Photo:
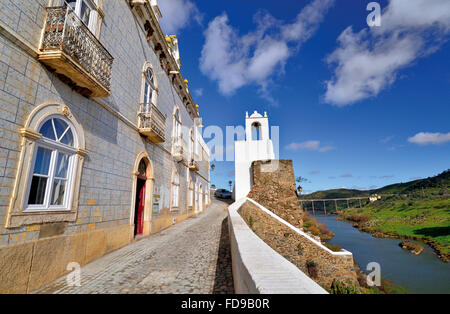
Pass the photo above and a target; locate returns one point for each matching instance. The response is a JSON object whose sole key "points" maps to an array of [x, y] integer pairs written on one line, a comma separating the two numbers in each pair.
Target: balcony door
{"points": [[85, 9], [149, 88]]}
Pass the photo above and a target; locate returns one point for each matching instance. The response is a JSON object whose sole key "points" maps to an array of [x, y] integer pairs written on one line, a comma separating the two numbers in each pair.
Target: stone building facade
{"points": [[100, 139]]}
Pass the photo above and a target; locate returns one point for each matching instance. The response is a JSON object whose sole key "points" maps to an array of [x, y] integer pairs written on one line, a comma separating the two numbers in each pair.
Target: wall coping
{"points": [[343, 252], [257, 268]]}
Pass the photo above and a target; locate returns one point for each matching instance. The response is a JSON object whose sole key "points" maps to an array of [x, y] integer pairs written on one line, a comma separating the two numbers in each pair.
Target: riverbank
{"points": [[427, 223], [401, 271]]}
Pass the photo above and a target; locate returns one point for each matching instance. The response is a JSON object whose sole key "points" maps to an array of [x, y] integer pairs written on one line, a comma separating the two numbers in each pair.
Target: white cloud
{"points": [[177, 14], [368, 61], [198, 92], [424, 138], [235, 61], [309, 145]]}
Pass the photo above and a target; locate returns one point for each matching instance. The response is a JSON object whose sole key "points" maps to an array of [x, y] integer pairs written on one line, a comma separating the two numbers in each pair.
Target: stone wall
{"points": [[274, 187], [298, 248]]}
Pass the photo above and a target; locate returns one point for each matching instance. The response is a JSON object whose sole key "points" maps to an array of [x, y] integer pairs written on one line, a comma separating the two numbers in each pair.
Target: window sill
{"points": [[45, 210], [41, 217]]}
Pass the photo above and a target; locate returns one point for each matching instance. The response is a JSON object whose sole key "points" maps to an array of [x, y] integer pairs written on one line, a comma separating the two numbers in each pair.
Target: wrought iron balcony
{"points": [[69, 47], [152, 123]]}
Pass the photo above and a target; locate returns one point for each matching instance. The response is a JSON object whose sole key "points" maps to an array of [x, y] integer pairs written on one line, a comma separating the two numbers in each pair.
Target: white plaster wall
{"points": [[247, 152], [257, 268]]}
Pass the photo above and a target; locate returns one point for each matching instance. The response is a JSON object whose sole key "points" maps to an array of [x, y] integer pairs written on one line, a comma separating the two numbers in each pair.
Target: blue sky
{"points": [[357, 107]]}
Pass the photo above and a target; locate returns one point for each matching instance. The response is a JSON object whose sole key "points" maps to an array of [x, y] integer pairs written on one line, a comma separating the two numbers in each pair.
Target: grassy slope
{"points": [[410, 212], [421, 218]]}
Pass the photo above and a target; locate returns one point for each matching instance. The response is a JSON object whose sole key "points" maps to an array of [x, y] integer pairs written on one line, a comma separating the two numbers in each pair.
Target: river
{"points": [[423, 273]]}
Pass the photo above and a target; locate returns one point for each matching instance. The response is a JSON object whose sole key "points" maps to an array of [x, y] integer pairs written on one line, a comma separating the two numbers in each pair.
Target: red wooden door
{"points": [[141, 206]]}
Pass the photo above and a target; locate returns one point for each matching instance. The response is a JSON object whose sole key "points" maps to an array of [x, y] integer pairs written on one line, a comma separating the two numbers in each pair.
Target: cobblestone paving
{"points": [[191, 257]]}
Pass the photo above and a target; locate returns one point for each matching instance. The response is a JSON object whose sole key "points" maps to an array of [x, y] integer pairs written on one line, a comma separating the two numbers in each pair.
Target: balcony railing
{"points": [[152, 123], [193, 165], [180, 151], [69, 47]]}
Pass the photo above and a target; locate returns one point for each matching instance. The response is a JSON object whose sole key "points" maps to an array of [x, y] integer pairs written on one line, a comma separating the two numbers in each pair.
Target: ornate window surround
{"points": [[17, 215]]}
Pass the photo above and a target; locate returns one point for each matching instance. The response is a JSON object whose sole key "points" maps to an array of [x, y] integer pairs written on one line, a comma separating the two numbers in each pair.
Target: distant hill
{"points": [[440, 181]]}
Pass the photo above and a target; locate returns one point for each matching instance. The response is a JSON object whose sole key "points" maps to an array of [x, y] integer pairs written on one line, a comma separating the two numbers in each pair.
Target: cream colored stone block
{"points": [[117, 238], [15, 262], [49, 261], [96, 245]]}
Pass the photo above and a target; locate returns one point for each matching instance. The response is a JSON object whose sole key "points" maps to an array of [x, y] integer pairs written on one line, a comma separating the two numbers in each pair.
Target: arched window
{"points": [[150, 90], [256, 131], [175, 189], [47, 185], [50, 183]]}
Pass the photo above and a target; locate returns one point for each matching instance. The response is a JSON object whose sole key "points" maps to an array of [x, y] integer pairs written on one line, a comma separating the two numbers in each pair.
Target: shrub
{"points": [[313, 270], [251, 221], [311, 264], [337, 287], [359, 218], [314, 230], [334, 247], [323, 229]]}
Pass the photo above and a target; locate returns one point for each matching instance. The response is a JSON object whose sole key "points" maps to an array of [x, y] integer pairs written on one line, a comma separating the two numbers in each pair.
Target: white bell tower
{"points": [[257, 146]]}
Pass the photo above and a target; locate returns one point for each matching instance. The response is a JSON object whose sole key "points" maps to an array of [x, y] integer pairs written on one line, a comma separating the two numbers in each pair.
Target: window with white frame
{"points": [[86, 11], [50, 182], [191, 193], [175, 190]]}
